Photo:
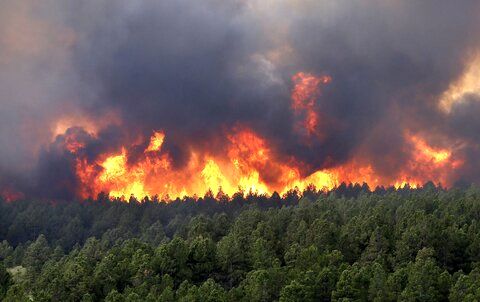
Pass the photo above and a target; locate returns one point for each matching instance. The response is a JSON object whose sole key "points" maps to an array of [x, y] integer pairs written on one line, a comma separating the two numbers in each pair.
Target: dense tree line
{"points": [[347, 245]]}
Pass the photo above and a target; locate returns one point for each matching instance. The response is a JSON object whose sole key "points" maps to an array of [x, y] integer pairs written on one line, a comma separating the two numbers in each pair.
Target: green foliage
{"points": [[425, 279], [263, 285], [37, 254], [467, 287], [5, 280], [347, 245]]}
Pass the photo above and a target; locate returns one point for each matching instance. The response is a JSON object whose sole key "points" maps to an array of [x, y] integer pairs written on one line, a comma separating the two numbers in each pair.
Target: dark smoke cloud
{"points": [[389, 60], [198, 68]]}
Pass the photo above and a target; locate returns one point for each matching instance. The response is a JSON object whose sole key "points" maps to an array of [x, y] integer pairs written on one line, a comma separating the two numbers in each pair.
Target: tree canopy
{"points": [[346, 245]]}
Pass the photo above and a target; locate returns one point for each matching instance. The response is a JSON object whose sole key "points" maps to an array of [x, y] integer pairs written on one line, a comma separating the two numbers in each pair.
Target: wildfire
{"points": [[246, 162], [243, 168], [9, 194], [72, 144], [247, 165], [428, 153], [156, 142], [305, 93], [427, 162]]}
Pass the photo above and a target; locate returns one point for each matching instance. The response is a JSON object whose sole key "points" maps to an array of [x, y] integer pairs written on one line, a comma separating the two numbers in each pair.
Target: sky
{"points": [[109, 73]]}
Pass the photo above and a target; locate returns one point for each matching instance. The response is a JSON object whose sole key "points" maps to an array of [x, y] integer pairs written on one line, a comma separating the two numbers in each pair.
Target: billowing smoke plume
{"points": [[99, 76]]}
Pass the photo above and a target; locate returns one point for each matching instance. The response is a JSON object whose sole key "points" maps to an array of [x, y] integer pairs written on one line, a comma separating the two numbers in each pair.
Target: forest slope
{"points": [[351, 244]]}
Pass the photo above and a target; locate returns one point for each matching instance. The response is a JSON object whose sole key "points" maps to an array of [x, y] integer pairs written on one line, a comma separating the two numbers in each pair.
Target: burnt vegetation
{"points": [[350, 244]]}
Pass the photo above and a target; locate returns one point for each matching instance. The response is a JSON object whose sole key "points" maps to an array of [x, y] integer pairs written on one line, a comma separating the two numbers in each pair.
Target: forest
{"points": [[349, 244]]}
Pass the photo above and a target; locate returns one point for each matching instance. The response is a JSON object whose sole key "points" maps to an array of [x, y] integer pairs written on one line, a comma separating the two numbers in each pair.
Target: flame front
{"points": [[248, 165], [248, 162]]}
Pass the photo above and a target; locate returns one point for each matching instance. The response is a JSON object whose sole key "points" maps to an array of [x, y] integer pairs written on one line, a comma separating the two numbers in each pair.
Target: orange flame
{"points": [[156, 141], [248, 162], [248, 165], [305, 93], [428, 153]]}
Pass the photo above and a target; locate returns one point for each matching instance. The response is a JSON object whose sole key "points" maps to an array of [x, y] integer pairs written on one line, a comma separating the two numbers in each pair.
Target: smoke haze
{"points": [[107, 74]]}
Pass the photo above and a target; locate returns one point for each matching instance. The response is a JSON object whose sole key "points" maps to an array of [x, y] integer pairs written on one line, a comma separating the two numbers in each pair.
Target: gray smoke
{"points": [[196, 68]]}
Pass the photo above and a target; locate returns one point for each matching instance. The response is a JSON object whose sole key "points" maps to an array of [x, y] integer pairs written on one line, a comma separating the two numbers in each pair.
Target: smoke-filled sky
{"points": [[110, 73]]}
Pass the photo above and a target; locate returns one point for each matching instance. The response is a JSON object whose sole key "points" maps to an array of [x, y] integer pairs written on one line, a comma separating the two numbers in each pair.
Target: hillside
{"points": [[350, 244]]}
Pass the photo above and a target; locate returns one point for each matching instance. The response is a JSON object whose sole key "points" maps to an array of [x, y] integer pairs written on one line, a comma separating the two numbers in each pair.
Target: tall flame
{"points": [[304, 97], [248, 162], [247, 166], [156, 141]]}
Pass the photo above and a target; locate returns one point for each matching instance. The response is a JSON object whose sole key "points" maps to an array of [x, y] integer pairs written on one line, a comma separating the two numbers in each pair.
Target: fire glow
{"points": [[249, 162], [184, 97], [305, 93], [243, 169]]}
